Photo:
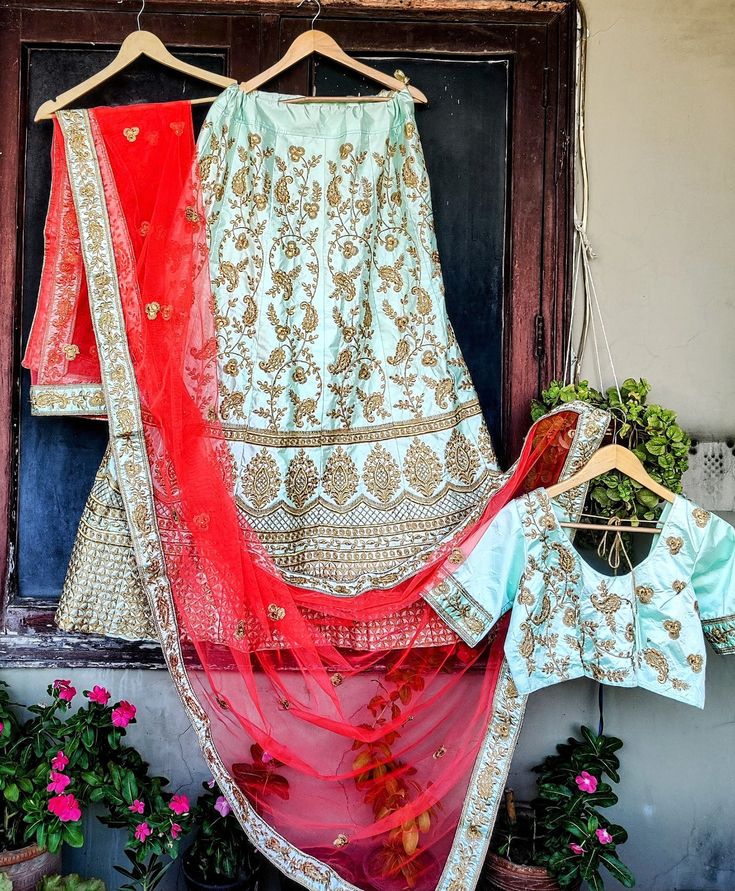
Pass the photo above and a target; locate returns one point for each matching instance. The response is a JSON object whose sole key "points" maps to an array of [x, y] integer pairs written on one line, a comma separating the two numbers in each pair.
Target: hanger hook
{"points": [[318, 9], [140, 13]]}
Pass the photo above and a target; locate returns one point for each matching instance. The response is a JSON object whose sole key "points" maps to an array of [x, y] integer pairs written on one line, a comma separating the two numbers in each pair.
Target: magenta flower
{"points": [[64, 690], [123, 714], [66, 808], [586, 782], [603, 836], [576, 849], [142, 831], [179, 804], [59, 782], [137, 807], [59, 761], [266, 757], [176, 831], [99, 695], [2, 726], [222, 805]]}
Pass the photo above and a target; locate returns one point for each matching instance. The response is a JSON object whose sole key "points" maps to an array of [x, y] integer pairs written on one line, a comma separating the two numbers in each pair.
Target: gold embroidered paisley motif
{"points": [[261, 480], [302, 479], [381, 474], [340, 478], [462, 458], [422, 468]]}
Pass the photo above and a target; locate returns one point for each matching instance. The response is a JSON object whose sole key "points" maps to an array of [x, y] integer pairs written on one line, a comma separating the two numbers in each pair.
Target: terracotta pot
{"points": [[25, 866], [500, 874]]}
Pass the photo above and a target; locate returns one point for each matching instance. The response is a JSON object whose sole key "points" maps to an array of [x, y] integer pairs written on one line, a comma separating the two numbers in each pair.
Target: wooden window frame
{"points": [[538, 35]]}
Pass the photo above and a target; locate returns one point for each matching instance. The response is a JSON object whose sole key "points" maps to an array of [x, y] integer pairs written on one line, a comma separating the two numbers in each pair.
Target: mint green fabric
{"points": [[644, 627]]}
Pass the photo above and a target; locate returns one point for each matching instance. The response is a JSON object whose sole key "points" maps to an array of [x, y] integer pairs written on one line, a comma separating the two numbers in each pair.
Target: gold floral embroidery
{"points": [[341, 841], [240, 630], [701, 517], [658, 662], [462, 458], [222, 703], [336, 679], [422, 468], [177, 127], [340, 478], [131, 133], [695, 662], [674, 543], [673, 628], [440, 752], [644, 593], [301, 479], [275, 612], [381, 474], [71, 351], [152, 309], [261, 480], [191, 215], [456, 557], [678, 586]]}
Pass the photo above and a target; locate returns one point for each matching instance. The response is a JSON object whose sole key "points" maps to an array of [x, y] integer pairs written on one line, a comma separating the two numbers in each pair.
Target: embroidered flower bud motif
{"points": [[673, 628], [177, 127], [276, 613], [695, 662], [296, 153], [456, 557], [167, 311], [222, 703], [674, 544], [253, 140], [285, 704], [191, 215], [291, 250], [144, 228], [409, 129], [701, 517], [131, 133], [201, 521], [341, 841], [336, 679], [678, 586], [644, 593], [440, 753], [345, 150], [152, 309], [71, 351], [240, 630]]}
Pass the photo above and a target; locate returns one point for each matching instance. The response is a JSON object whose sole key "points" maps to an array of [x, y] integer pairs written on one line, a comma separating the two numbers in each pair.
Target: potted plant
{"points": [[56, 763], [649, 430], [220, 856], [72, 882], [562, 839]]}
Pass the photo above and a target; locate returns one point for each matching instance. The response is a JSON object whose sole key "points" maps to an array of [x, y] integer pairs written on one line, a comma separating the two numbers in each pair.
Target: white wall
{"points": [[661, 130]]}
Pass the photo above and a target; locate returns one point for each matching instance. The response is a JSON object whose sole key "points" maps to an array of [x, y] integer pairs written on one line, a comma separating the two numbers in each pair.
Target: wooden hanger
{"points": [[136, 44], [318, 42], [612, 457]]}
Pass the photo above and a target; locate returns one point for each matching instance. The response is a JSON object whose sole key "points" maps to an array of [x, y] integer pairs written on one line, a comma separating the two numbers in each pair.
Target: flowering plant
{"points": [[220, 852], [565, 832], [57, 763]]}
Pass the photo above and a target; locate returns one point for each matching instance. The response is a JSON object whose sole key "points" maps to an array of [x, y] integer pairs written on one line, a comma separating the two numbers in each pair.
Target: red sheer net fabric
{"points": [[358, 755]]}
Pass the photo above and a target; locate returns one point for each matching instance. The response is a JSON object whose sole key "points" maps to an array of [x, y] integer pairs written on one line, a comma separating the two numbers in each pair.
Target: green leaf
{"points": [[12, 793], [617, 869], [73, 835]]}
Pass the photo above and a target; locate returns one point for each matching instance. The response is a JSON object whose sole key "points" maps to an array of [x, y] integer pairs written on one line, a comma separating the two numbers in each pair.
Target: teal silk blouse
{"points": [[643, 628]]}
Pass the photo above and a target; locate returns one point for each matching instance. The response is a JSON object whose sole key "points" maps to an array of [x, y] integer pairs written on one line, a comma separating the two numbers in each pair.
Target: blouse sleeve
{"points": [[483, 586], [713, 580]]}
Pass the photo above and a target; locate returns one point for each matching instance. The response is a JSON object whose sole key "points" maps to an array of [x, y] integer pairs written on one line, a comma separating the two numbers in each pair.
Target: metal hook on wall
{"points": [[318, 9]]}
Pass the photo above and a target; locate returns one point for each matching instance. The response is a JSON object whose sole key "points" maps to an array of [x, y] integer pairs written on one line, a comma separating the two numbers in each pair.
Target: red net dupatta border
{"points": [[471, 839]]}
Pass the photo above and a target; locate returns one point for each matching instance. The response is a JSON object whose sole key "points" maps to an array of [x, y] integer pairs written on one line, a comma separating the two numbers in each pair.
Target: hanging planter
{"points": [[26, 866]]}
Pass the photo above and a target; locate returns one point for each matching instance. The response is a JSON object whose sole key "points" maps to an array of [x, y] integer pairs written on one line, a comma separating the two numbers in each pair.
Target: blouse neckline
{"points": [[584, 565]]}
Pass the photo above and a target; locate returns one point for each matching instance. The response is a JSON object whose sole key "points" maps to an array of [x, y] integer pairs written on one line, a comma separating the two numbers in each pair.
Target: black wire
{"points": [[601, 709]]}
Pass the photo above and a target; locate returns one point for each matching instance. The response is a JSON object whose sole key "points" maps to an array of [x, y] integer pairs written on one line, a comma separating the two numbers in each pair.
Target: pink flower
{"points": [[576, 849], [66, 808], [64, 690], [179, 804], [137, 807], [59, 782], [266, 757], [59, 761], [123, 714], [142, 831], [603, 836], [222, 805], [176, 831], [586, 782], [2, 726], [99, 694]]}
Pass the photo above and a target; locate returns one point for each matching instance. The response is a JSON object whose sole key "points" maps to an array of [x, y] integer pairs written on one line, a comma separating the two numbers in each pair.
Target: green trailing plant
{"points": [[58, 762], [565, 831], [72, 882], [649, 430], [220, 852], [5, 882]]}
